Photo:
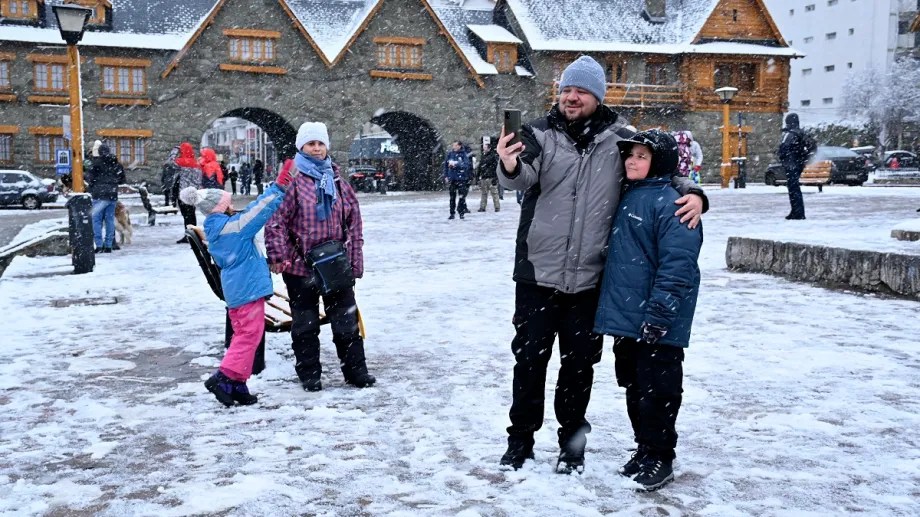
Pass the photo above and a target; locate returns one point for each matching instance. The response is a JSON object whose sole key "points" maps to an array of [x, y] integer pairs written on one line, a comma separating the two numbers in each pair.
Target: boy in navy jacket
{"points": [[647, 301], [244, 278]]}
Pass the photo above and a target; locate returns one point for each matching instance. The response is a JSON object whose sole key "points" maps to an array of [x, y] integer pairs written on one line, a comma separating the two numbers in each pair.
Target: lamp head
{"points": [[71, 21], [726, 93]]}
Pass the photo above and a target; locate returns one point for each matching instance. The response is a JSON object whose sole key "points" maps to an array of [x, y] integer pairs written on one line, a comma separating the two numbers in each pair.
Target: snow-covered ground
{"points": [[798, 399]]}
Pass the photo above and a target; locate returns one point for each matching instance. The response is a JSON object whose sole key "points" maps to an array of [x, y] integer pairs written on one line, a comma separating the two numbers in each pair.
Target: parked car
{"points": [[868, 153], [846, 166], [26, 189], [904, 160], [364, 177]]}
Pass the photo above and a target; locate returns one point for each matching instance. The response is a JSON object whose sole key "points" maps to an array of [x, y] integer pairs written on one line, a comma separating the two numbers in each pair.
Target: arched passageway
{"points": [[420, 145], [279, 131]]}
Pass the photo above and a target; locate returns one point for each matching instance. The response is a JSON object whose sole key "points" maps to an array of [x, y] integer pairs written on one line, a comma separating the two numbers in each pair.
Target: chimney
{"points": [[655, 11]]}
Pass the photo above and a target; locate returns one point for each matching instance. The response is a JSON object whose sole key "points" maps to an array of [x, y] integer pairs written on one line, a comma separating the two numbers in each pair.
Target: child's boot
{"points": [[222, 387], [241, 394]]}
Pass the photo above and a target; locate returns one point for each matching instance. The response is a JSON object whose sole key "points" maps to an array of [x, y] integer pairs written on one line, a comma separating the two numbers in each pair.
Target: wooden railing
{"points": [[635, 95]]}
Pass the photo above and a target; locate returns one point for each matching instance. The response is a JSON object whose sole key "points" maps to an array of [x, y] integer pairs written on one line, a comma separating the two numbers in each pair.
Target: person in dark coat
{"points": [[169, 175], [487, 178], [794, 150], [647, 300], [103, 179], [233, 174], [245, 179], [258, 173], [458, 171]]}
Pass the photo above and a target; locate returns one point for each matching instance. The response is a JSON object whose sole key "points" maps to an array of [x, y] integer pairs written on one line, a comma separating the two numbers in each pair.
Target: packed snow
{"points": [[798, 399]]}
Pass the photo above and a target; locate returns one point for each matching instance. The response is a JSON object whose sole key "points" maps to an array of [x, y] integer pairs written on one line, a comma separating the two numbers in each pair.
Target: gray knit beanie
{"points": [[587, 74]]}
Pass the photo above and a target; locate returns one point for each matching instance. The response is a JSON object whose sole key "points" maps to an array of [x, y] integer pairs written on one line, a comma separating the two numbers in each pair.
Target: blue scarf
{"points": [[322, 174]]}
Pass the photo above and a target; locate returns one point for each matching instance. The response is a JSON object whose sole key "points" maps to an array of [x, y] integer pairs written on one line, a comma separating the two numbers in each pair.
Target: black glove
{"points": [[652, 333]]}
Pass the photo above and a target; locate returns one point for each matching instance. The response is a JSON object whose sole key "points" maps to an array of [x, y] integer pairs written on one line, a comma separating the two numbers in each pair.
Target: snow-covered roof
{"points": [[493, 34], [332, 23], [456, 18]]}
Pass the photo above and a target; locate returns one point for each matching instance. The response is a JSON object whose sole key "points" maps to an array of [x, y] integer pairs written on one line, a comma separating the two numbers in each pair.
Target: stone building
{"points": [[158, 72]]}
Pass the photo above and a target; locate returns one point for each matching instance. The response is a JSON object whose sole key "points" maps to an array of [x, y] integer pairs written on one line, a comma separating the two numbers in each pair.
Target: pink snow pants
{"points": [[248, 322]]}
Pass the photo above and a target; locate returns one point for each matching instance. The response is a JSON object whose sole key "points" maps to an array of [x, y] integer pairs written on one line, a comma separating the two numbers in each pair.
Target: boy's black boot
{"points": [[309, 375], [222, 387], [654, 472], [241, 394], [572, 449], [632, 467], [354, 364], [520, 449]]}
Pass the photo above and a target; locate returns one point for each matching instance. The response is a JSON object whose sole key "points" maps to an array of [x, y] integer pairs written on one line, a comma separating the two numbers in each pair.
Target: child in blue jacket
{"points": [[244, 278], [647, 301]]}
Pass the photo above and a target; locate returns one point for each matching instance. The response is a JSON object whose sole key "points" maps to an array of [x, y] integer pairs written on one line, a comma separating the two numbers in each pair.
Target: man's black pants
{"points": [[653, 377], [341, 309], [797, 204], [463, 188], [540, 314]]}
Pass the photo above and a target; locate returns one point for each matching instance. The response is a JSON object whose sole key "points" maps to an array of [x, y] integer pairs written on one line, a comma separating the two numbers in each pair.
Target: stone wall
{"points": [[872, 271]]}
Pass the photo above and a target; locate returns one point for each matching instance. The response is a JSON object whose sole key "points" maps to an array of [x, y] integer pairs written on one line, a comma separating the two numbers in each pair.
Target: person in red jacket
{"points": [[211, 174]]}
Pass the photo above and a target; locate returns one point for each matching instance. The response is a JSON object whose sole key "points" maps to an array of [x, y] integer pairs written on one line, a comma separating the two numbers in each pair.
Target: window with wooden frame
{"points": [[739, 75], [49, 72], [19, 9], [123, 76], [6, 143], [128, 145], [97, 6], [5, 83], [402, 53], [657, 72], [47, 140], [252, 45], [503, 56], [617, 71]]}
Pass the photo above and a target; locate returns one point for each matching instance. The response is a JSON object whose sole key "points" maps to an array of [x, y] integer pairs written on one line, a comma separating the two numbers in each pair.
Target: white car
{"points": [[24, 188]]}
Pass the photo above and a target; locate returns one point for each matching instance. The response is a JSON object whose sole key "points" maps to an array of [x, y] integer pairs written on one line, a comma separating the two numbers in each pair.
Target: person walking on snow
{"points": [[559, 256], [189, 176], [458, 171], [696, 152], [102, 179], [212, 176], [487, 178], [647, 301], [320, 208], [245, 179], [258, 173], [244, 278]]}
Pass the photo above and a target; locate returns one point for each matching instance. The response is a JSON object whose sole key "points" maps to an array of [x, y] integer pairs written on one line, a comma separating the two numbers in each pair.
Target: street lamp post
{"points": [[71, 22], [726, 94]]}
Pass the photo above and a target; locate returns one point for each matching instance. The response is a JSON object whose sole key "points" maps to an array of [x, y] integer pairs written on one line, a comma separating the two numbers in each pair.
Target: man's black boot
{"points": [[654, 473], [520, 449], [572, 449], [632, 467]]}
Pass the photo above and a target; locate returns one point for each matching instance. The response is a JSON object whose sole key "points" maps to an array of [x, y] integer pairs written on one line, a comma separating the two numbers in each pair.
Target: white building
{"points": [[839, 37], [239, 141]]}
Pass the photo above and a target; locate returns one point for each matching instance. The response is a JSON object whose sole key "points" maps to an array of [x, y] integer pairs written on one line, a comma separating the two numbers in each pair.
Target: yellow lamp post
{"points": [[726, 94], [71, 22]]}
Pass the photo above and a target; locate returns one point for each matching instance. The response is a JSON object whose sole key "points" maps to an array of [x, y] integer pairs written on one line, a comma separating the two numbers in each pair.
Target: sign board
{"points": [[62, 162], [389, 146]]}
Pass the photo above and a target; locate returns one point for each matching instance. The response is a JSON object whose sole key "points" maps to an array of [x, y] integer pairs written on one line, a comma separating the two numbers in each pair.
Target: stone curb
{"points": [[890, 273]]}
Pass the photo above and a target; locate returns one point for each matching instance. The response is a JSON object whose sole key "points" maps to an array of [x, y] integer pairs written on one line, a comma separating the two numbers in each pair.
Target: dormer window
{"points": [[503, 56], [252, 45], [19, 9], [100, 9]]}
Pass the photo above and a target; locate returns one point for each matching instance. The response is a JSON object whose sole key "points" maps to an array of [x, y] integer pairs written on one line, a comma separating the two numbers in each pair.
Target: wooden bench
{"points": [[817, 174], [152, 211]]}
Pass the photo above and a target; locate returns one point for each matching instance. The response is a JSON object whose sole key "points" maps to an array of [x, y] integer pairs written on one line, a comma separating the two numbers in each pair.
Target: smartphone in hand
{"points": [[513, 125]]}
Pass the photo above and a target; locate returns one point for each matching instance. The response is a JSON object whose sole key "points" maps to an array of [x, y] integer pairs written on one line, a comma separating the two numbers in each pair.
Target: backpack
{"points": [[809, 143]]}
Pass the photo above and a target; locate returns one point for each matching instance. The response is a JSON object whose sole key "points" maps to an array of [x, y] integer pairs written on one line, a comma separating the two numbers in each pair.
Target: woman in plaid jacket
{"points": [[319, 207]]}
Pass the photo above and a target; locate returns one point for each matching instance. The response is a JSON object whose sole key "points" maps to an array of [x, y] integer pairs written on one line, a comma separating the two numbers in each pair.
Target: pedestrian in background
{"points": [[458, 171], [487, 178], [233, 176], [258, 173], [169, 175], [189, 176], [647, 301], [103, 178], [794, 149], [211, 174], [246, 179]]}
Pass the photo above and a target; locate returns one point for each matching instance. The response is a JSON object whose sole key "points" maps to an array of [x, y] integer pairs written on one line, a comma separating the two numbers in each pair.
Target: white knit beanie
{"points": [[208, 200], [310, 131]]}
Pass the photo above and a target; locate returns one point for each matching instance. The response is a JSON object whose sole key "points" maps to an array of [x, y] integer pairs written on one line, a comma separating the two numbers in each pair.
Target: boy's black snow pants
{"points": [[341, 309], [653, 378], [540, 314]]}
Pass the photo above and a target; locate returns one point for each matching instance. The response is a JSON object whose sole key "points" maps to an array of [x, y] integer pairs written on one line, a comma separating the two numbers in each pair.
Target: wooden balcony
{"points": [[635, 95]]}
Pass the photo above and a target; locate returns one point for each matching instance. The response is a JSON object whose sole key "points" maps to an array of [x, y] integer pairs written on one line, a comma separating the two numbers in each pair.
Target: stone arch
{"points": [[420, 144], [278, 129]]}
